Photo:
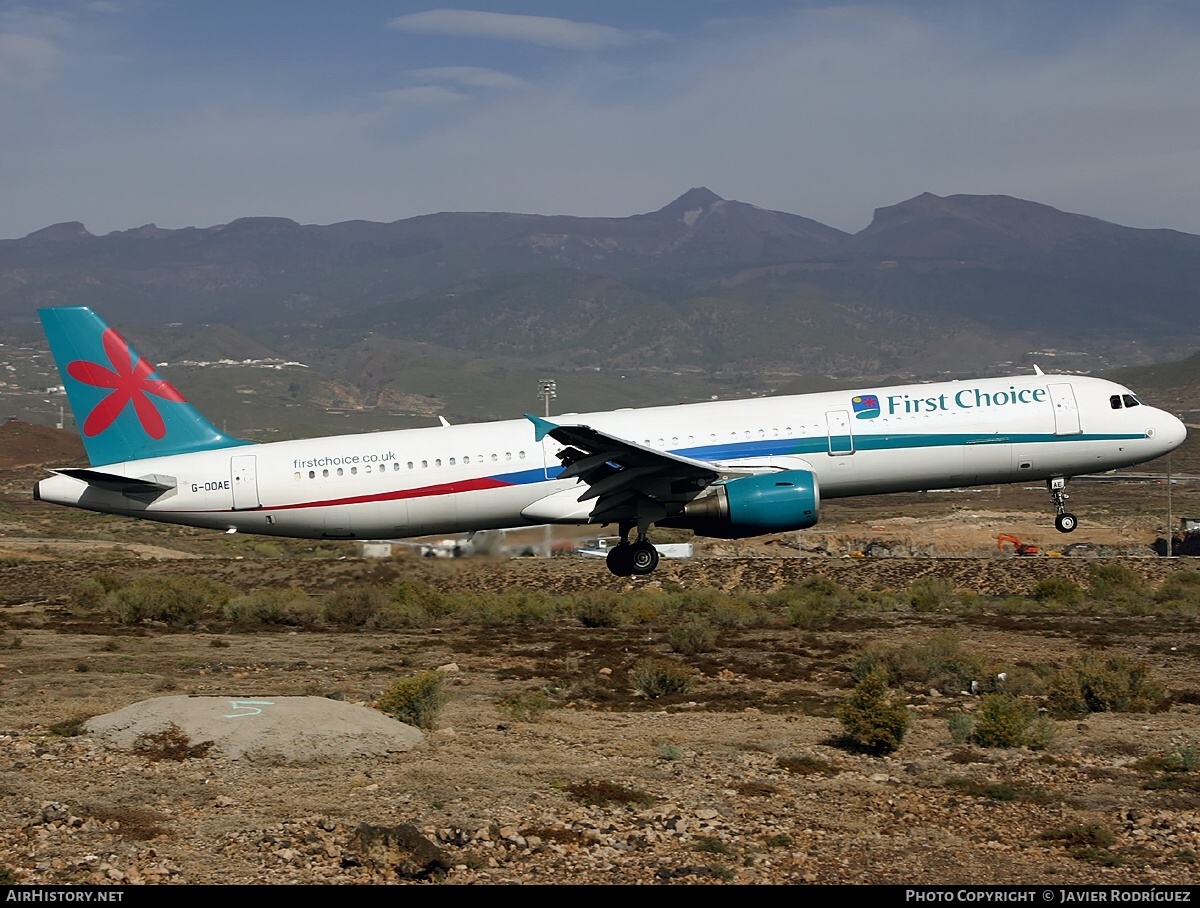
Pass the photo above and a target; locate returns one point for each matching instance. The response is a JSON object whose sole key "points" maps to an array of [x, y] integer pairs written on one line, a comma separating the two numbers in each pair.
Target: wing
{"points": [[624, 477]]}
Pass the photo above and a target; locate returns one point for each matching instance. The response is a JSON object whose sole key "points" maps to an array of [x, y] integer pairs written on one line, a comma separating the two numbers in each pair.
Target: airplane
{"points": [[726, 469]]}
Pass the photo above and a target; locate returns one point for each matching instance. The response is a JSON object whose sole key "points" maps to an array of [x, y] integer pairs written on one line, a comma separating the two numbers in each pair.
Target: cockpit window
{"points": [[1130, 400], [1115, 401]]}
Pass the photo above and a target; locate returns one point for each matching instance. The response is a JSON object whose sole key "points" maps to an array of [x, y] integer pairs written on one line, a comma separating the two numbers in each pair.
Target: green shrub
{"points": [[1003, 720], [941, 663], [735, 611], [509, 607], [1027, 680], [178, 601], [1180, 592], [872, 718], [353, 606], [931, 593], [91, 593], [170, 743], [1061, 591], [806, 765], [1089, 842], [1177, 760], [601, 608], [420, 600], [813, 604], [961, 725], [69, 728], [1096, 683], [289, 607], [1001, 791], [604, 794], [669, 752], [392, 615], [416, 700], [1116, 584], [526, 706], [659, 677], [812, 614], [1186, 758], [645, 606], [692, 636]]}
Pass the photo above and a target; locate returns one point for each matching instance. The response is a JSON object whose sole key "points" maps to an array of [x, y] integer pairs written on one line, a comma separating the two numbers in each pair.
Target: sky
{"points": [[120, 113]]}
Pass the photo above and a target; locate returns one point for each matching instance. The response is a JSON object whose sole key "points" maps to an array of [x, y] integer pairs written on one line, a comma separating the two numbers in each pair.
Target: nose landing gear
{"points": [[1064, 522]]}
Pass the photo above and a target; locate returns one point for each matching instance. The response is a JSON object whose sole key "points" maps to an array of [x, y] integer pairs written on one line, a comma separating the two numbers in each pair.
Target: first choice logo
{"points": [[966, 399]]}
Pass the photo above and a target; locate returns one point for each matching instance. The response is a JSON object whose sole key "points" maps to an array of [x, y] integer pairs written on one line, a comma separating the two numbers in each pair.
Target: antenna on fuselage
{"points": [[1038, 369]]}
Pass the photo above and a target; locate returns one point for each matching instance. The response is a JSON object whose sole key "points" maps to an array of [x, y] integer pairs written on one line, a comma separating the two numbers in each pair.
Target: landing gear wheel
{"points": [[644, 557], [620, 560], [1057, 486], [1065, 523]]}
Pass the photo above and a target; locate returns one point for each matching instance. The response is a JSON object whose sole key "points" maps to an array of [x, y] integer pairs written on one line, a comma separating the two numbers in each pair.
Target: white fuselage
{"points": [[472, 477]]}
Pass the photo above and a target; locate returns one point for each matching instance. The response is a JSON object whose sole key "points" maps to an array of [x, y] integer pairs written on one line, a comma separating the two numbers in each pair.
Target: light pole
{"points": [[1170, 534], [547, 391]]}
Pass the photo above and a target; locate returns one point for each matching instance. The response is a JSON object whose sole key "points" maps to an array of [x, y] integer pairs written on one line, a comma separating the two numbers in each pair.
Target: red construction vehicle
{"points": [[1019, 547]]}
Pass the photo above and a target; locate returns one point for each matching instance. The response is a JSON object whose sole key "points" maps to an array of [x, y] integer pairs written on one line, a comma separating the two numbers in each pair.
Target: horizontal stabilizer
{"points": [[115, 483]]}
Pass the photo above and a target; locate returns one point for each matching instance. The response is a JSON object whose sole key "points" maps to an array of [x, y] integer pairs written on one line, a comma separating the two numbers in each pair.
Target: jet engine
{"points": [[752, 505]]}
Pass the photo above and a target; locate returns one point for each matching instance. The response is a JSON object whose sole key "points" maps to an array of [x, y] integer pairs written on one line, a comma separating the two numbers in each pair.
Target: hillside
{"points": [[963, 284]]}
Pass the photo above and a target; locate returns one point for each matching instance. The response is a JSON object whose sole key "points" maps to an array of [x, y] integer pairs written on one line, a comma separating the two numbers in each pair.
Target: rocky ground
{"points": [[745, 780]]}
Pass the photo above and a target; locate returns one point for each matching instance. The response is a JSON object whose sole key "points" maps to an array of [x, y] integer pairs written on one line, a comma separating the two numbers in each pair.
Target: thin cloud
{"points": [[544, 31], [423, 94], [26, 62], [474, 76]]}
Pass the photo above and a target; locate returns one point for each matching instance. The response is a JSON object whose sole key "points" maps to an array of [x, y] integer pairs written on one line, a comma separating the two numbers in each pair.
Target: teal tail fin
{"points": [[124, 409]]}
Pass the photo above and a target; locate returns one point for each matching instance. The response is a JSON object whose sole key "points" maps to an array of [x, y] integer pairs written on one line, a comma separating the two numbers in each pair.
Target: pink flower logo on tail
{"points": [[129, 381]]}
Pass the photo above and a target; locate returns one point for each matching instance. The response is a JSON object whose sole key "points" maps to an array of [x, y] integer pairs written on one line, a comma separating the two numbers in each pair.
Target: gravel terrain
{"points": [[744, 780]]}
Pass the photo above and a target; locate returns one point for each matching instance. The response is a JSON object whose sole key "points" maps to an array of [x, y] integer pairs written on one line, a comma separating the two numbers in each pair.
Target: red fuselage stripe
{"points": [[445, 488]]}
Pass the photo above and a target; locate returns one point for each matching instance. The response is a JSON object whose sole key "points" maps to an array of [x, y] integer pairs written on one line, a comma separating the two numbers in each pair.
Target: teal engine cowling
{"points": [[753, 505]]}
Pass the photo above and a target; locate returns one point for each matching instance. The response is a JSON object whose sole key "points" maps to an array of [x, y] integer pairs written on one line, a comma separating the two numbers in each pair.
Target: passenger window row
{"points": [[411, 465]]}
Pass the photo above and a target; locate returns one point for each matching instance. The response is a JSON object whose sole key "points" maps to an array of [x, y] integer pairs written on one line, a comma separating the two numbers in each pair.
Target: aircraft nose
{"points": [[1171, 432]]}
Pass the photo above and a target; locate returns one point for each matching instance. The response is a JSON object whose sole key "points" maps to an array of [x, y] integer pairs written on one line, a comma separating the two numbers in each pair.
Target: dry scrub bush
{"points": [[1096, 683], [872, 718], [289, 607], [91, 593], [170, 743], [660, 677], [353, 606], [1058, 591], [941, 663], [416, 700], [692, 636], [510, 607], [1118, 586], [178, 601], [812, 605], [931, 593], [1180, 593], [1003, 720], [600, 608], [526, 706]]}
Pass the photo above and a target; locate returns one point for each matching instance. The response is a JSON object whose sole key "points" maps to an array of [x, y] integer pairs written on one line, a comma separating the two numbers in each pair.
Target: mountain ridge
{"points": [[702, 282]]}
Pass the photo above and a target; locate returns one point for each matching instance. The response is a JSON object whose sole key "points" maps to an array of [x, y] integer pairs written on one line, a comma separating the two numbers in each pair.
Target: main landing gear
{"points": [[1064, 522], [627, 557]]}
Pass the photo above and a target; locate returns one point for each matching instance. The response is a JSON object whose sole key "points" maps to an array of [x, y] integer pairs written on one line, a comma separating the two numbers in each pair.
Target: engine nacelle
{"points": [[753, 505]]}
